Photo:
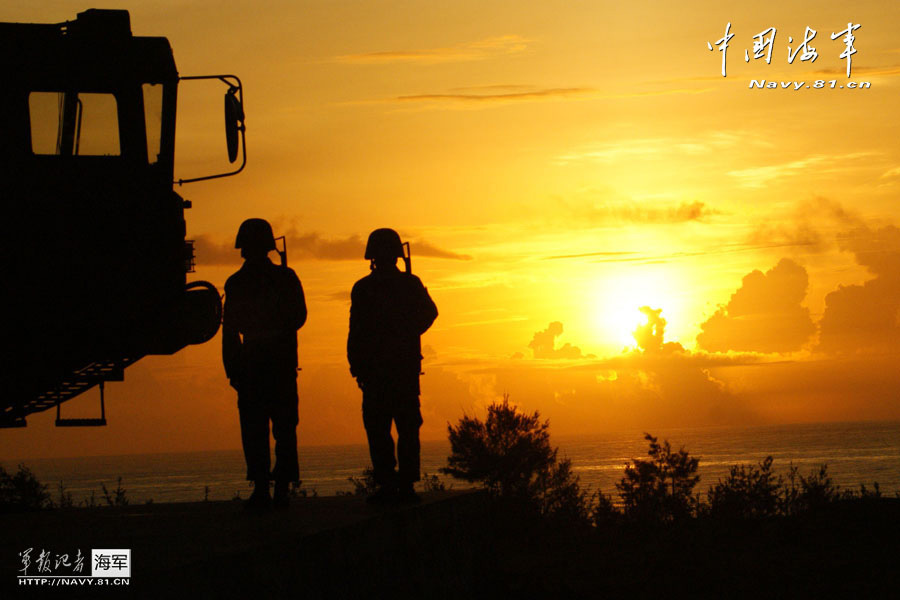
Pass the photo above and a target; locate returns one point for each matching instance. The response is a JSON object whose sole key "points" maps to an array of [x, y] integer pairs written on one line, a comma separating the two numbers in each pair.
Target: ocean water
{"points": [[856, 453]]}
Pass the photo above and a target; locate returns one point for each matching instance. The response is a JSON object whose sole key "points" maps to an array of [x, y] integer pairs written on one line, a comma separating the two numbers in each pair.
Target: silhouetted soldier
{"points": [[389, 310], [264, 308]]}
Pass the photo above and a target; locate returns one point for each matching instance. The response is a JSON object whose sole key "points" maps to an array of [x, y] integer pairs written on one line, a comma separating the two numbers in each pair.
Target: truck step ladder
{"points": [[75, 383]]}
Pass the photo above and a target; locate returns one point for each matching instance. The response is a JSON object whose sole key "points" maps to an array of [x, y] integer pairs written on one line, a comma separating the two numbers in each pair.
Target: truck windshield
{"points": [[74, 124]]}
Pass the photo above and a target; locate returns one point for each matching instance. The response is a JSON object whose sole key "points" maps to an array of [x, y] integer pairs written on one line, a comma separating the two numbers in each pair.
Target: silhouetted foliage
{"points": [[364, 485], [506, 452], [433, 483], [117, 497], [510, 454], [296, 490], [603, 511], [22, 491], [812, 492], [660, 489], [65, 498], [865, 493], [560, 493], [748, 492]]}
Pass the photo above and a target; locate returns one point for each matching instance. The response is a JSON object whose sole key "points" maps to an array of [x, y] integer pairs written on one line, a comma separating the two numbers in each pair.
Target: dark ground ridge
{"points": [[459, 544]]}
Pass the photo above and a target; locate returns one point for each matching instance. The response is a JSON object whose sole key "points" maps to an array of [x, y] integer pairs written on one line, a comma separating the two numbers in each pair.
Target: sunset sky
{"points": [[556, 166]]}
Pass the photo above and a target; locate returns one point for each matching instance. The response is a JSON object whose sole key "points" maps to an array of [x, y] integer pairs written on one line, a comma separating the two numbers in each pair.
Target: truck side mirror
{"points": [[234, 122], [235, 128]]}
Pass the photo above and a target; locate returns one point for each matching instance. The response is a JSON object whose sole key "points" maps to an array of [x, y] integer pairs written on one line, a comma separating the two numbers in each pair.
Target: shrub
{"points": [[560, 494], [865, 493], [117, 497], [812, 492], [296, 490], [748, 492], [660, 489], [506, 453], [362, 486], [22, 491], [510, 455], [603, 512], [433, 483], [65, 497]]}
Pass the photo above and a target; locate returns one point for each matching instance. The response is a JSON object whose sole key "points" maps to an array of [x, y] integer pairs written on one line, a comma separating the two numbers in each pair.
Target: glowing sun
{"points": [[619, 298]]}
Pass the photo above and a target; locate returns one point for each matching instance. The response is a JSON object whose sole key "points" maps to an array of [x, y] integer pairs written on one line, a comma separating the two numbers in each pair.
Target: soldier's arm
{"points": [[354, 337], [231, 340], [298, 302], [426, 311]]}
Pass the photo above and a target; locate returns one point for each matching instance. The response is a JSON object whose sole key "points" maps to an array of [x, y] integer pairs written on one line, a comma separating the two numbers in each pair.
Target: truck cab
{"points": [[94, 255]]}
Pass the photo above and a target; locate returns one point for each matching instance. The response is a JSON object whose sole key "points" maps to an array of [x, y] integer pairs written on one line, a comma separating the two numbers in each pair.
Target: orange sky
{"points": [[550, 163]]}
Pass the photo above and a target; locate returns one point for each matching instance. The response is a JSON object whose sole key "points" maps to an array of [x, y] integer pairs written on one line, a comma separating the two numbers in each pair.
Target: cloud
{"points": [[308, 245], [485, 96], [801, 233], [612, 256], [313, 246], [651, 148], [860, 318], [492, 47], [497, 87], [891, 173], [885, 71], [659, 384], [543, 342], [649, 336], [504, 97], [811, 223], [763, 315], [491, 95], [667, 92], [423, 248], [866, 318], [759, 177], [635, 212], [342, 296], [647, 259], [209, 252]]}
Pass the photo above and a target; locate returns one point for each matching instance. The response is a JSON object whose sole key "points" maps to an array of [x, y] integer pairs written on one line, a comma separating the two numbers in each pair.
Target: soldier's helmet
{"points": [[255, 234], [384, 243]]}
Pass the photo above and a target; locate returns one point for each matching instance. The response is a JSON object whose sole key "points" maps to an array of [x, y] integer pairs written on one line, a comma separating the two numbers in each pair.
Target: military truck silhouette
{"points": [[94, 254]]}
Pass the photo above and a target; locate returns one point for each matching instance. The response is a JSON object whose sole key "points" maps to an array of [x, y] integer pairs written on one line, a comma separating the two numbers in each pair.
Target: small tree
{"points": [[22, 491], [507, 452], [560, 493], [510, 454], [660, 489], [604, 513], [747, 492], [808, 493]]}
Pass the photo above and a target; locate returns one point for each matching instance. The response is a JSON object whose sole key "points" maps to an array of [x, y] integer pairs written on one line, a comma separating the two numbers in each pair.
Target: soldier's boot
{"points": [[385, 494], [407, 494], [259, 499], [282, 497]]}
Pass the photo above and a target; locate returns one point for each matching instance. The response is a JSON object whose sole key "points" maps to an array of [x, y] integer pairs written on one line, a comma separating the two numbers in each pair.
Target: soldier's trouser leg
{"points": [[377, 421], [283, 412], [408, 419], [254, 434]]}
